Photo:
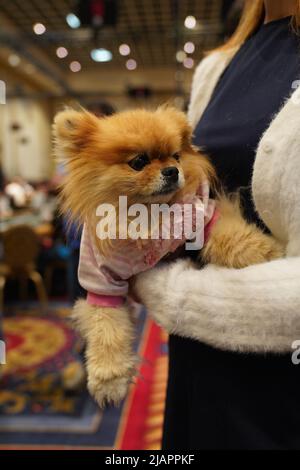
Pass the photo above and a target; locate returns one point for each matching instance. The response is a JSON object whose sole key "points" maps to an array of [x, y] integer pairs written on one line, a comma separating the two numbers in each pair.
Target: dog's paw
{"points": [[109, 386], [109, 392]]}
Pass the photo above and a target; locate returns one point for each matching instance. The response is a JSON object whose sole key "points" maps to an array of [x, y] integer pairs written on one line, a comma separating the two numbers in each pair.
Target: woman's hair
{"points": [[252, 17]]}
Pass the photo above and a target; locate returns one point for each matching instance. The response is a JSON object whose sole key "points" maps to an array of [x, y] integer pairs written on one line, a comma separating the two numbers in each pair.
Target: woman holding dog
{"points": [[233, 381]]}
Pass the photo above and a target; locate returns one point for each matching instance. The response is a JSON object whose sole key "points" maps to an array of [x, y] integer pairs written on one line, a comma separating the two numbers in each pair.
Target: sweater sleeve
{"points": [[255, 309]]}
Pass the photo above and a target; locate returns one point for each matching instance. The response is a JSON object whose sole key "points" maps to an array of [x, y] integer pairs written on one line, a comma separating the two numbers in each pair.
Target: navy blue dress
{"points": [[220, 399]]}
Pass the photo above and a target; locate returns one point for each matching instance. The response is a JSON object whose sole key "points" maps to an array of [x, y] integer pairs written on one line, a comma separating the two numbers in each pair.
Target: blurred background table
{"points": [[42, 228]]}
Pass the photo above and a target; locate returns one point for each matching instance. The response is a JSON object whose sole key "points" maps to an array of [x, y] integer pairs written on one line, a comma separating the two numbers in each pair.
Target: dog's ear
{"points": [[178, 118], [74, 129]]}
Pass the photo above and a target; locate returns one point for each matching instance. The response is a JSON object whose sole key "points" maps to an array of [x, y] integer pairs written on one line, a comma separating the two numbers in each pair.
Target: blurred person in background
{"points": [[20, 192], [234, 386]]}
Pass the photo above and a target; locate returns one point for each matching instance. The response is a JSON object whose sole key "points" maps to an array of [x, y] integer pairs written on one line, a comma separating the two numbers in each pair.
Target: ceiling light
{"points": [[190, 22], [73, 20], [180, 56], [124, 49], [188, 63], [39, 28], [101, 55], [14, 60], [131, 64], [189, 47], [62, 52], [75, 66]]}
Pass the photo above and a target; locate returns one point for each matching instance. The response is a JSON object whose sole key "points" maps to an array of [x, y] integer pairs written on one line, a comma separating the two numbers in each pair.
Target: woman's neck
{"points": [[276, 9]]}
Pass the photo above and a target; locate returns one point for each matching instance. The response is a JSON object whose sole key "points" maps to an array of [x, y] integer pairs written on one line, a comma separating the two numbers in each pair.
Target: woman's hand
{"points": [[155, 289]]}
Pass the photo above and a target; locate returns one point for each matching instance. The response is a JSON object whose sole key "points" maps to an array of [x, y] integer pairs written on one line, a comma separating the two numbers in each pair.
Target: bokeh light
{"points": [[131, 64], [39, 28], [62, 52], [188, 63], [189, 47], [73, 20], [14, 60], [190, 22], [101, 55], [75, 66], [124, 49]]}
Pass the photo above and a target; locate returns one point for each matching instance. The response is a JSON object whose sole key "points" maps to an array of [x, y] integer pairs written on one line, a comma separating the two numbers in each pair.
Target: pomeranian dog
{"points": [[148, 157]]}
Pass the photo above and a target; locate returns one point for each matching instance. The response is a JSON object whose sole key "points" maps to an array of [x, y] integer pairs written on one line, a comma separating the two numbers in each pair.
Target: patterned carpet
{"points": [[43, 398], [144, 410]]}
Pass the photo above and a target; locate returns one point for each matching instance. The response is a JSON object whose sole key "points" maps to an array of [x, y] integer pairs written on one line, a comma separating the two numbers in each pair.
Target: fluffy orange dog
{"points": [[148, 157]]}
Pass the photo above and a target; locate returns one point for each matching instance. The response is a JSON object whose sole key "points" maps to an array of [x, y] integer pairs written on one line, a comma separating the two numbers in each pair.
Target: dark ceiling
{"points": [[153, 29]]}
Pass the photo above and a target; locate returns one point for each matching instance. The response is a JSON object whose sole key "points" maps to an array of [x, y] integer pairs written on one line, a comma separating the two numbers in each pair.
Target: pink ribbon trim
{"points": [[112, 301], [208, 228]]}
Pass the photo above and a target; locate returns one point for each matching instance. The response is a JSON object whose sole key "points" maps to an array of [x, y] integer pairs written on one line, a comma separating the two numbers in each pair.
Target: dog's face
{"points": [[140, 154]]}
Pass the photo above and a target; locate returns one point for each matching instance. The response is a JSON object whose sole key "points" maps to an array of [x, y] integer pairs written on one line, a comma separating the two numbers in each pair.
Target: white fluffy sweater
{"points": [[256, 308]]}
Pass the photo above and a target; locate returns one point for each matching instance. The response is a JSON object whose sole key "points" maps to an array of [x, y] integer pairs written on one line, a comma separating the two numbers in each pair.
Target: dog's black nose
{"points": [[171, 173]]}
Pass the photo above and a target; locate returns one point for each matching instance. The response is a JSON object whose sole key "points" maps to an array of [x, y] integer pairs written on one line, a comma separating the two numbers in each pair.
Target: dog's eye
{"points": [[176, 156], [139, 162]]}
